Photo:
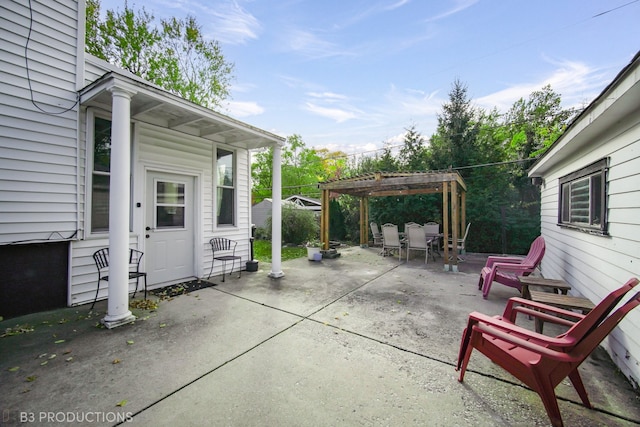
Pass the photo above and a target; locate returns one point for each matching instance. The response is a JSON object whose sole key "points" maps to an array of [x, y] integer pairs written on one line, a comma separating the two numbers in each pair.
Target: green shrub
{"points": [[298, 226]]}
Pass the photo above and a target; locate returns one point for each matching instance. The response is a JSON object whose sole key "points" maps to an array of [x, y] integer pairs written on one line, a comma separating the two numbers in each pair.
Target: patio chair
{"points": [[460, 244], [539, 361], [432, 233], [224, 250], [101, 258], [417, 240], [391, 240], [506, 270], [376, 235]]}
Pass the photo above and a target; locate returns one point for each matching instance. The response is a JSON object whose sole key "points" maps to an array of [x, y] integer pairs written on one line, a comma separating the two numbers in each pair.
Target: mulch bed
{"points": [[181, 288]]}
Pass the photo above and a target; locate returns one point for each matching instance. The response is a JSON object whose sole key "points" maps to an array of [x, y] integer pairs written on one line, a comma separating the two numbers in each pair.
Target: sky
{"points": [[353, 75]]}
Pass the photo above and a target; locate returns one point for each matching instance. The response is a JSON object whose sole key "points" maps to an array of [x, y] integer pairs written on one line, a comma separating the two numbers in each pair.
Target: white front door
{"points": [[169, 223]]}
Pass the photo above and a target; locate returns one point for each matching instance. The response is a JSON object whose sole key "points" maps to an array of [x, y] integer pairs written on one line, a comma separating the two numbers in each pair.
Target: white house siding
{"points": [[169, 150], [596, 265], [38, 150]]}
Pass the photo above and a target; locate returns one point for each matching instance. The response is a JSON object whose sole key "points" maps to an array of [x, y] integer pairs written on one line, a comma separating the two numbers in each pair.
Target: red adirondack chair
{"points": [[506, 270], [539, 361]]}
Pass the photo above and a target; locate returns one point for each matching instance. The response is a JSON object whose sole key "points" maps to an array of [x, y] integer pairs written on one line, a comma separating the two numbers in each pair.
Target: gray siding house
{"points": [[590, 210], [92, 156]]}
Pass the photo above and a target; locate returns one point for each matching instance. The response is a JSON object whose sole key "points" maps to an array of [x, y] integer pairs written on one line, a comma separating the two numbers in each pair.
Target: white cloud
{"points": [[308, 44], [459, 6], [574, 81], [328, 96], [336, 114], [225, 21], [244, 108]]}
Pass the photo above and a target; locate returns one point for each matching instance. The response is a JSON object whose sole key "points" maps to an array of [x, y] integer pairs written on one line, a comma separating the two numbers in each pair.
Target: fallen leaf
{"points": [[162, 325], [14, 369], [116, 361], [44, 363], [68, 359], [53, 356], [59, 341], [121, 403], [31, 378], [130, 342]]}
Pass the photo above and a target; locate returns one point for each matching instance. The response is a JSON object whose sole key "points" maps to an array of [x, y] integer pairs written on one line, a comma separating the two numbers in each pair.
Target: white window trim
{"points": [[88, 185], [234, 187], [599, 167]]}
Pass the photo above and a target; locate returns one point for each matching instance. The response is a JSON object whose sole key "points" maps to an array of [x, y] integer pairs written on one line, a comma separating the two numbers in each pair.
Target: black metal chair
{"points": [[101, 258], [224, 245]]}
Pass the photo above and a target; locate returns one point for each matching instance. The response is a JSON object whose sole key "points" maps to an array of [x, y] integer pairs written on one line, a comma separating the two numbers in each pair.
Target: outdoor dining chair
{"points": [[417, 241], [101, 258], [391, 240], [460, 244], [376, 234], [432, 233], [224, 250]]}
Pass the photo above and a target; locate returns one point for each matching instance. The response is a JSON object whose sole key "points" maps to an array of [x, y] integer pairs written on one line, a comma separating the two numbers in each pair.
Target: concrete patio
{"points": [[357, 340]]}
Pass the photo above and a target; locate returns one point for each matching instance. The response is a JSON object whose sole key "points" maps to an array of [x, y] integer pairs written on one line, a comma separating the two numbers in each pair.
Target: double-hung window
{"points": [[100, 167], [583, 196], [100, 175], [226, 192]]}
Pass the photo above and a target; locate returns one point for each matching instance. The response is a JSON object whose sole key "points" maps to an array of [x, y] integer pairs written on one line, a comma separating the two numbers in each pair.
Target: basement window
{"points": [[583, 196]]}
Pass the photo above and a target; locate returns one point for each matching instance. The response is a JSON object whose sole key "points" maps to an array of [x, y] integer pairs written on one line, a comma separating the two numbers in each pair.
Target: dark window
{"points": [[583, 198], [225, 194], [100, 175]]}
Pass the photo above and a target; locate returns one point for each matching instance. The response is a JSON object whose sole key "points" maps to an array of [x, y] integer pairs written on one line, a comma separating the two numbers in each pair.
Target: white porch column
{"points": [[276, 215], [119, 195]]}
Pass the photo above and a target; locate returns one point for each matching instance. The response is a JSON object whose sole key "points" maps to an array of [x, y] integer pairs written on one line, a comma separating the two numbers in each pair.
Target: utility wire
{"points": [[26, 60]]}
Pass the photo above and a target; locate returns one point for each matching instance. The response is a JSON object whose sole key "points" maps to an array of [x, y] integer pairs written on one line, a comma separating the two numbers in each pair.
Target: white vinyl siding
{"points": [[38, 151], [168, 150], [594, 265]]}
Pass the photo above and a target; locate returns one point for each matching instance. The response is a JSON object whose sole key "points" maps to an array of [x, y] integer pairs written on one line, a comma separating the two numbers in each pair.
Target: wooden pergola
{"points": [[383, 184]]}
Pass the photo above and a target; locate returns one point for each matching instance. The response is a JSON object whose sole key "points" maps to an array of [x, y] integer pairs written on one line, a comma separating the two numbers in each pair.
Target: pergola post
{"points": [[445, 223], [455, 226], [324, 220], [364, 215]]}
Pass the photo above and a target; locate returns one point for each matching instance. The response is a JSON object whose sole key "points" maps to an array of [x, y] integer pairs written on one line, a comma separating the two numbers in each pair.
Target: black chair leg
{"points": [[96, 298]]}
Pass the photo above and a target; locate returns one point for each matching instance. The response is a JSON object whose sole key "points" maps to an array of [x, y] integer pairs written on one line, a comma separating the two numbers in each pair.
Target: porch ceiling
{"points": [[393, 183], [153, 105]]}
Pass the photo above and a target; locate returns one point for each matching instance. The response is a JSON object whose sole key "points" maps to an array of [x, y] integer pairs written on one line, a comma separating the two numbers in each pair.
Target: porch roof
{"points": [[151, 104]]}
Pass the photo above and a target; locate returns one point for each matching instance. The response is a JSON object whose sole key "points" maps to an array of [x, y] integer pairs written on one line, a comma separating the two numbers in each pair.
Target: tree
{"points": [[413, 154], [173, 55], [453, 144], [302, 168]]}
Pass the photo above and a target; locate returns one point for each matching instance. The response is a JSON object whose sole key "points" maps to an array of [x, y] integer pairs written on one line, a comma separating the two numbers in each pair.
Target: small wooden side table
{"points": [[558, 286], [566, 302]]}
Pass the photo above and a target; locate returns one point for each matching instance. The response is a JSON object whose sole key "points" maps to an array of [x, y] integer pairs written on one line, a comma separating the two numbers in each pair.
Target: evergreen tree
{"points": [[453, 145]]}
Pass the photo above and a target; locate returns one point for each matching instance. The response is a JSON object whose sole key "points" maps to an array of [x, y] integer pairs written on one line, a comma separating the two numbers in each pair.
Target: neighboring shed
{"points": [[590, 205], [262, 210]]}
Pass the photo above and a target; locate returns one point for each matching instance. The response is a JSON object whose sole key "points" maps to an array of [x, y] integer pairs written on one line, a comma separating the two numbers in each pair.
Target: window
{"points": [[170, 205], [225, 197], [100, 175], [583, 198]]}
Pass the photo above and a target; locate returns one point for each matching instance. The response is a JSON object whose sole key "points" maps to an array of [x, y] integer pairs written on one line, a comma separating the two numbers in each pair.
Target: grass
{"points": [[262, 251]]}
